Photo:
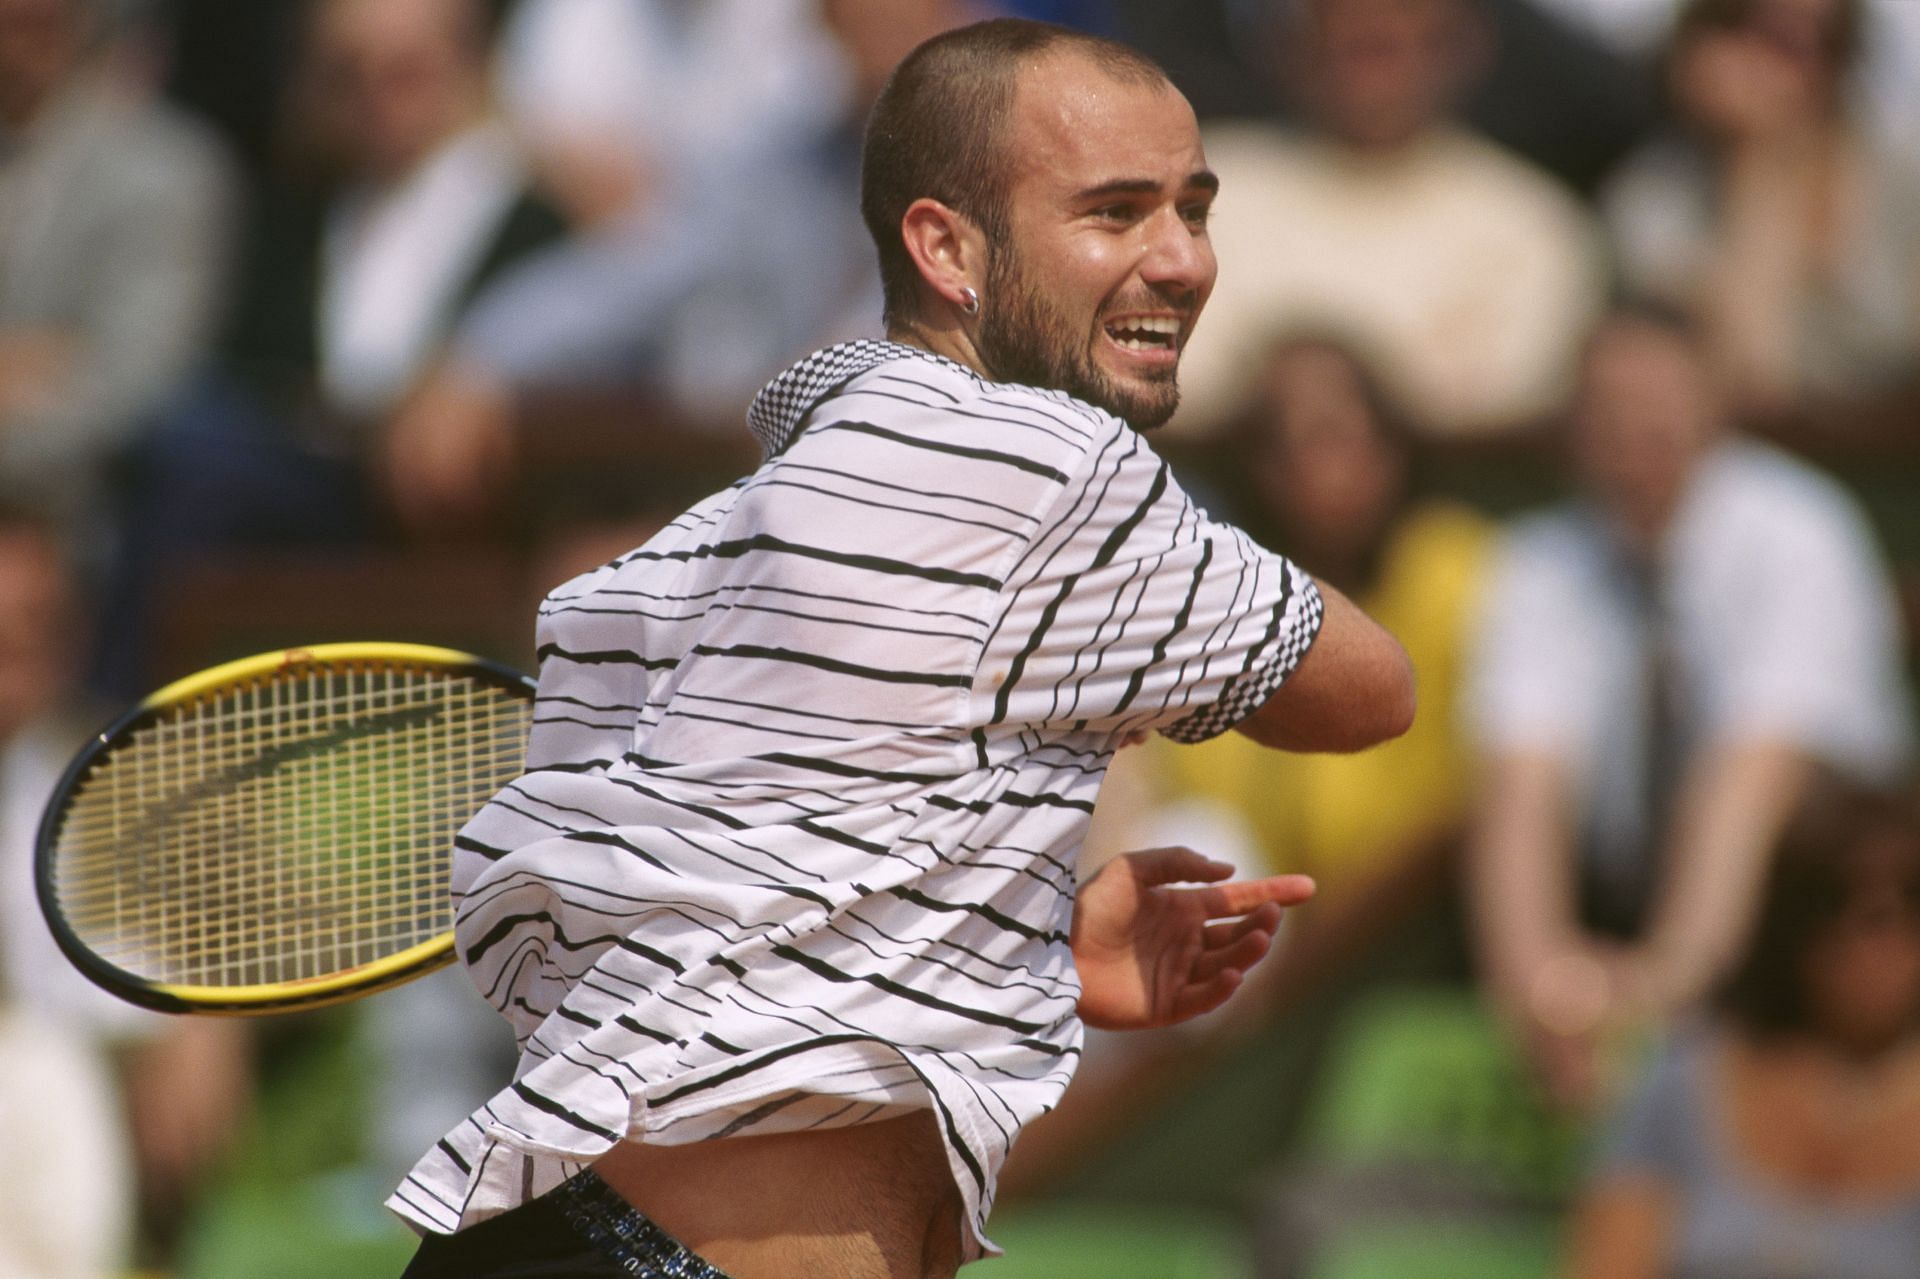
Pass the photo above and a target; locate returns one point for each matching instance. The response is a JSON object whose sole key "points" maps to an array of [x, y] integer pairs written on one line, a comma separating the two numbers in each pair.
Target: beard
{"points": [[1024, 338]]}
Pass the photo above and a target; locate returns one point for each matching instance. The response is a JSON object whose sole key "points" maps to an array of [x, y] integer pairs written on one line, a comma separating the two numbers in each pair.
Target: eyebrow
{"points": [[1205, 179]]}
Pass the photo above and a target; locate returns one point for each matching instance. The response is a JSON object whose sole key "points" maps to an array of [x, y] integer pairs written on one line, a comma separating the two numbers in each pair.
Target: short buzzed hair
{"points": [[936, 130]]}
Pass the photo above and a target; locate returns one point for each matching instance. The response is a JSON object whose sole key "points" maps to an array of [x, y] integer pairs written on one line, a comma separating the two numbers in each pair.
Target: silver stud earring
{"points": [[970, 301]]}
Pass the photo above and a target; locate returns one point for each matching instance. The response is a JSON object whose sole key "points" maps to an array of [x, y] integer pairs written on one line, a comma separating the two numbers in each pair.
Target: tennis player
{"points": [[783, 911]]}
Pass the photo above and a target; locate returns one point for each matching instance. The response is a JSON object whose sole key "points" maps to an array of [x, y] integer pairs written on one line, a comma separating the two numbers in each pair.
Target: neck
{"points": [[942, 335], [1384, 149], [455, 125]]}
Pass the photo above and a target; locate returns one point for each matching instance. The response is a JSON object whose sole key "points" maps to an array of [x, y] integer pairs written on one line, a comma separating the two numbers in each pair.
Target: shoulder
{"points": [[930, 431], [959, 421], [1478, 169], [1755, 491], [157, 147], [1559, 542], [1235, 147], [1758, 473], [134, 170], [1549, 581]]}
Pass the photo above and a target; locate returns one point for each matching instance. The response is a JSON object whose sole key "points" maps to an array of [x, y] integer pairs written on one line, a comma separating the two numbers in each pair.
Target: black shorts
{"points": [[583, 1230]]}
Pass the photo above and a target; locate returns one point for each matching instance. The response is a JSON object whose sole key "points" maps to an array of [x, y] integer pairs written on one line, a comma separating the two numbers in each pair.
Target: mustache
{"points": [[1168, 298]]}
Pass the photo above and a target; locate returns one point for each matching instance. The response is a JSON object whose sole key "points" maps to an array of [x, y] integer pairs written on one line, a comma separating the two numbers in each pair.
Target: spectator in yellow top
{"points": [[1320, 465]]}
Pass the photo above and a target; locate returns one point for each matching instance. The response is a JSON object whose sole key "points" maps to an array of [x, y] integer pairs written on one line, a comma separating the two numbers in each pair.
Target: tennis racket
{"points": [[276, 833]]}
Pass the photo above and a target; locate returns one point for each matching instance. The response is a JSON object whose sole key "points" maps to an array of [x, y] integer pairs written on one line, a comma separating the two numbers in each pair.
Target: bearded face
{"points": [[1026, 337]]}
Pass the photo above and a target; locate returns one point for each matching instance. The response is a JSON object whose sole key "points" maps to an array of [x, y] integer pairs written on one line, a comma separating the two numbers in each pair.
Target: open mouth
{"points": [[1145, 333]]}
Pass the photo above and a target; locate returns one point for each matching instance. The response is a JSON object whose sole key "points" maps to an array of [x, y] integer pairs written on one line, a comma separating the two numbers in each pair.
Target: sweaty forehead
{"points": [[1073, 123]]}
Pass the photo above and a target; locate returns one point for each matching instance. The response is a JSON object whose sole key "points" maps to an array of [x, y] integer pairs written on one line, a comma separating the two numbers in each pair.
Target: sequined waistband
{"points": [[623, 1232]]}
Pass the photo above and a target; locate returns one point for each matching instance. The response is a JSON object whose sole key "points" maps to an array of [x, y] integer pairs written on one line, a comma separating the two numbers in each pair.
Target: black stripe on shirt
{"points": [[548, 1105], [740, 547], [968, 451], [835, 666]]}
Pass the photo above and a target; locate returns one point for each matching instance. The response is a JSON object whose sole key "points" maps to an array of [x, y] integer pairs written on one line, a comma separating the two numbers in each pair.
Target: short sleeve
{"points": [[1133, 610], [1816, 660], [1537, 666]]}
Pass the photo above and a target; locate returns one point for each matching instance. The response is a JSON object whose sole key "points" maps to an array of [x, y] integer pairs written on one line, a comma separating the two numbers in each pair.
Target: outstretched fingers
{"points": [[1157, 866], [1224, 901]]}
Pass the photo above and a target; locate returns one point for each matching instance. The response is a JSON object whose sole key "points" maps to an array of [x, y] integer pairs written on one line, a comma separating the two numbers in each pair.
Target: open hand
{"points": [[1152, 955]]}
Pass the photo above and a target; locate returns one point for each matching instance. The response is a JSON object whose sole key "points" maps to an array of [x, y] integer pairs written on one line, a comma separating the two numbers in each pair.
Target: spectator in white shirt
{"points": [[1465, 274], [112, 1114], [1662, 664], [354, 275]]}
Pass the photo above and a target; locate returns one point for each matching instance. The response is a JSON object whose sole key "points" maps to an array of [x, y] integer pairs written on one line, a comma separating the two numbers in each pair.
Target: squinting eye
{"points": [[1197, 214]]}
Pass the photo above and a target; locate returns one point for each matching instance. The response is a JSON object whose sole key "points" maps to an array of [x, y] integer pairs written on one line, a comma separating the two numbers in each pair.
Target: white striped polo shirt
{"points": [[809, 772]]}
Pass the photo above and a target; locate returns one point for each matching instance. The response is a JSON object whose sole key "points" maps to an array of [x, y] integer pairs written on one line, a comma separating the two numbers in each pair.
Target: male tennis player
{"points": [[783, 911]]}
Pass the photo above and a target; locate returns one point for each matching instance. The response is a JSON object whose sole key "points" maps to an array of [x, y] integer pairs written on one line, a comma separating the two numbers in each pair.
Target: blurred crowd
{"points": [[1577, 340]]}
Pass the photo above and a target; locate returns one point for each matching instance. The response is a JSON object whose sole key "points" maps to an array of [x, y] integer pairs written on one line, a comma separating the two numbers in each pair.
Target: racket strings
{"points": [[288, 829]]}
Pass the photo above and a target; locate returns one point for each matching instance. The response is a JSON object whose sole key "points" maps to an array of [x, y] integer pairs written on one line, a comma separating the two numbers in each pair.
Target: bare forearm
{"points": [[1733, 804], [1521, 857], [1353, 689]]}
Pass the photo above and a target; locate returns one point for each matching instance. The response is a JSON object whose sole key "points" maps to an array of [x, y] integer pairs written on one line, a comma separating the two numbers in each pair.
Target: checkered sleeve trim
{"points": [[1296, 623]]}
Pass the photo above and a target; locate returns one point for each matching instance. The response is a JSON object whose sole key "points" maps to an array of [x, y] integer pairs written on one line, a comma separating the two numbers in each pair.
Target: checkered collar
{"points": [[783, 404]]}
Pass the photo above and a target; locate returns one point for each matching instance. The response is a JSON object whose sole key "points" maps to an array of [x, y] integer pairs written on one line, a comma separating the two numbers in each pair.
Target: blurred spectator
{"points": [[113, 214], [1788, 226], [1550, 90], [1199, 43], [617, 98], [1890, 74], [1781, 1139], [1320, 465], [694, 296], [66, 1210], [140, 1104], [349, 288], [1466, 274], [1662, 662], [1633, 26], [1562, 97], [428, 199]]}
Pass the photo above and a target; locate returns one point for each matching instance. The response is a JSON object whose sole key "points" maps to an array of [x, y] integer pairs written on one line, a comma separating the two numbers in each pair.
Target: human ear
{"points": [[948, 249]]}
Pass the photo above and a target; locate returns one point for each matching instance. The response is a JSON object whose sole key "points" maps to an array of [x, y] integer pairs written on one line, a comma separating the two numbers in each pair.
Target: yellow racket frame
{"points": [[297, 993]]}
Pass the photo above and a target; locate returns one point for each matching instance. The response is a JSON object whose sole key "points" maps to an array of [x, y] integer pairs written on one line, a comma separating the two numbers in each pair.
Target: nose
{"points": [[1178, 256]]}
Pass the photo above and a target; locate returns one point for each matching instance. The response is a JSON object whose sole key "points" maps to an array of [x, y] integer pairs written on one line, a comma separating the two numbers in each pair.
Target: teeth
{"points": [[1145, 333]]}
